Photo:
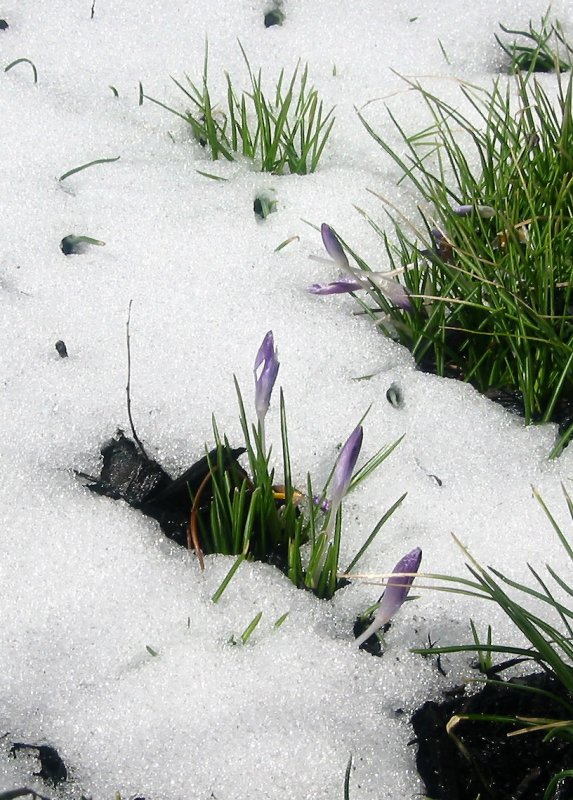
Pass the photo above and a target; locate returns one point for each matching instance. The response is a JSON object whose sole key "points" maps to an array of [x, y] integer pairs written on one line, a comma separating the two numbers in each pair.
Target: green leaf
{"points": [[23, 61], [85, 166]]}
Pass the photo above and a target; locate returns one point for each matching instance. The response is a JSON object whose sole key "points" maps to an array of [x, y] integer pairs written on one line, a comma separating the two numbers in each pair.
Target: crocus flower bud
{"points": [[394, 291], [395, 593], [344, 467], [361, 279], [486, 212], [333, 246], [266, 369], [336, 287]]}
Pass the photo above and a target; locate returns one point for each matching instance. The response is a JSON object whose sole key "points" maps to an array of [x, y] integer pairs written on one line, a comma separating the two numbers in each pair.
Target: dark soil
{"points": [[127, 474], [477, 759], [512, 401], [52, 768]]}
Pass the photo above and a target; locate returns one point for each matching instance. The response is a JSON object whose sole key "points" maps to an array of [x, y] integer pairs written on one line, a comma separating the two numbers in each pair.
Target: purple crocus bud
{"points": [[395, 593], [344, 467], [336, 287], [396, 293], [265, 378], [333, 246], [487, 212]]}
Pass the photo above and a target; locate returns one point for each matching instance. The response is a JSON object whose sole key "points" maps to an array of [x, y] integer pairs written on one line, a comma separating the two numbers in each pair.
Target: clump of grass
{"points": [[286, 132], [539, 49], [550, 643], [487, 268], [253, 517]]}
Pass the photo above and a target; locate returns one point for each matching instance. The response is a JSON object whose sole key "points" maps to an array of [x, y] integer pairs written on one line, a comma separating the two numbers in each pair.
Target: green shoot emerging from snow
{"points": [[253, 517], [75, 170], [538, 50], [283, 133]]}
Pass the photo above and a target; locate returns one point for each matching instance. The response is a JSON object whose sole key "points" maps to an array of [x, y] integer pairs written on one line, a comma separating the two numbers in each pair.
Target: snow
{"points": [[88, 584]]}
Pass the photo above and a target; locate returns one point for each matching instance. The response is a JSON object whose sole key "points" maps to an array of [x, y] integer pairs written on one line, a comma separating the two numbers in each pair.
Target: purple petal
{"points": [[333, 246], [394, 291], [395, 593], [336, 287], [266, 350], [397, 294], [265, 378], [437, 235], [398, 588], [345, 464], [483, 211]]}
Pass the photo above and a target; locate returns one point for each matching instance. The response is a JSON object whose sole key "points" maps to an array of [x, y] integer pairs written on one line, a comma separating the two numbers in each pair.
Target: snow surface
{"points": [[88, 584]]}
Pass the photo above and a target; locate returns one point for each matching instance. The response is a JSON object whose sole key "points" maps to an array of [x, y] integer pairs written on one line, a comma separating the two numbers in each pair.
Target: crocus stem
{"points": [[321, 546], [331, 519], [395, 593], [261, 438], [322, 541], [367, 633]]}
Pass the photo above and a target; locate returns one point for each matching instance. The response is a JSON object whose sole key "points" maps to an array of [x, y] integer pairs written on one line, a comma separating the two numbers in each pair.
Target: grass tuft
{"points": [[549, 636], [252, 517], [488, 264], [283, 133], [538, 49]]}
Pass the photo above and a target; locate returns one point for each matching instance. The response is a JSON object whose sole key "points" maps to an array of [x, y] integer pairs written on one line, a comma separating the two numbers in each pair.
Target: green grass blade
{"points": [[228, 578], [23, 61], [347, 778], [85, 166], [375, 532], [247, 633]]}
